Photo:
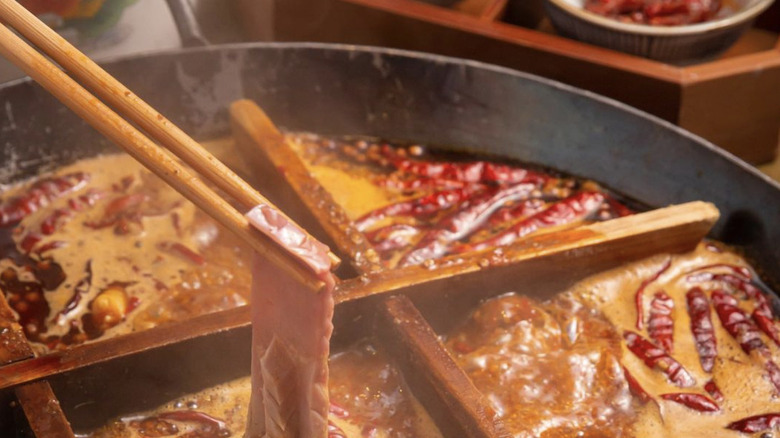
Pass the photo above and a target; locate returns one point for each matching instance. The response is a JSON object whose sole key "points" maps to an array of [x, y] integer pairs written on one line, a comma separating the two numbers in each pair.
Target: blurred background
{"points": [[731, 98], [105, 29]]}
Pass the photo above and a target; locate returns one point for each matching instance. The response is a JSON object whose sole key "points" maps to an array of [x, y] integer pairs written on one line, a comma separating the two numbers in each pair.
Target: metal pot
{"points": [[424, 98]]}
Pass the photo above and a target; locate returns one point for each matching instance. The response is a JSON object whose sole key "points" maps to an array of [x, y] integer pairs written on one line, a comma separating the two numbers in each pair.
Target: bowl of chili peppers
{"points": [[676, 31]]}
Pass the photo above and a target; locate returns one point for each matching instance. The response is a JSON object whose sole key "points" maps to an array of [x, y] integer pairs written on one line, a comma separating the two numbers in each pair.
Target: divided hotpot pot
{"points": [[465, 105]]}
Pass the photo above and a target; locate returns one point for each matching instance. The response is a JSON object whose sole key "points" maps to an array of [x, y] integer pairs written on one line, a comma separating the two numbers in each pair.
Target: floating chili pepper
{"points": [[123, 184], [338, 412], [653, 12], [618, 209], [120, 212], [639, 294], [413, 184], [512, 213], [335, 431], [773, 373], [392, 237], [656, 358], [133, 303], [767, 324], [713, 390], [209, 426], [741, 271], [422, 206], [86, 200], [39, 194], [182, 251], [702, 328], [737, 283], [53, 221], [636, 388], [461, 223], [48, 246], [473, 172], [660, 324], [757, 423], [28, 242], [154, 427], [81, 289], [737, 323], [762, 314], [573, 208], [697, 402]]}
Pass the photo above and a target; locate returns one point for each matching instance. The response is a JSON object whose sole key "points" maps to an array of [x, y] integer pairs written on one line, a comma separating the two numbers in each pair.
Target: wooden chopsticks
{"points": [[110, 124]]}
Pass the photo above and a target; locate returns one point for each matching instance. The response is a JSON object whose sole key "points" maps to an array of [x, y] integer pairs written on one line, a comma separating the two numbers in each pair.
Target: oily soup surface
{"points": [[114, 250]]}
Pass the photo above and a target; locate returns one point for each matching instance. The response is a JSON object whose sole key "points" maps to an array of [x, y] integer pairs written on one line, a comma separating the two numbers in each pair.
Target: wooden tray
{"points": [[87, 385], [733, 101]]}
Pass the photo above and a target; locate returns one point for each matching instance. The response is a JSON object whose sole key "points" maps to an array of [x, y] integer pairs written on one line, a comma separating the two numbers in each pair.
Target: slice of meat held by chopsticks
{"points": [[293, 268], [291, 331]]}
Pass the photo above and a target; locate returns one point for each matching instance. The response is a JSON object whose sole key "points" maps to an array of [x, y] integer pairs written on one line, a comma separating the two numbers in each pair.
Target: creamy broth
{"points": [[377, 404], [561, 368], [128, 253], [124, 252]]}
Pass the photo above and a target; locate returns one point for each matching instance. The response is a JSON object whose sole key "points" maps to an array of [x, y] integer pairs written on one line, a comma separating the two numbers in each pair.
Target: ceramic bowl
{"points": [[676, 44]]}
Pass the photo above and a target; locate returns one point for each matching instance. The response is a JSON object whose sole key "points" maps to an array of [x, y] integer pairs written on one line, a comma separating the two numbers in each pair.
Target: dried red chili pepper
{"points": [[654, 12], [39, 194], [697, 402], [463, 222], [762, 314], [573, 208], [54, 221], [713, 390], [338, 412], [614, 7], [740, 281], [737, 283], [422, 206], [741, 271], [656, 358], [512, 213], [660, 324], [773, 373], [209, 427], [392, 237], [123, 184], [335, 431], [28, 242], [757, 423], [182, 251], [702, 328], [635, 388], [120, 212], [639, 294], [81, 289], [413, 184], [48, 246], [737, 323], [124, 203], [618, 209], [767, 324], [86, 200], [472, 172]]}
